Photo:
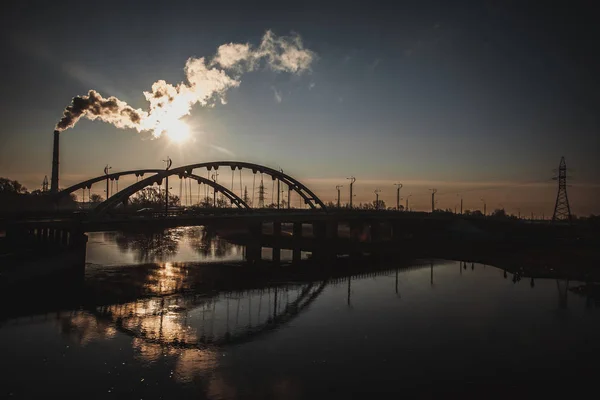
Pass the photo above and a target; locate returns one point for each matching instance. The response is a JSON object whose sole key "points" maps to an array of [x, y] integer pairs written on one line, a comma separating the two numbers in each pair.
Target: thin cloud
{"points": [[277, 95]]}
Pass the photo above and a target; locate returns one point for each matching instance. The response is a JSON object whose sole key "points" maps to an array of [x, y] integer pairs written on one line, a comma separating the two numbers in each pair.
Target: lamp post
{"points": [[169, 162], [106, 169], [352, 180], [398, 187], [338, 187], [433, 192]]}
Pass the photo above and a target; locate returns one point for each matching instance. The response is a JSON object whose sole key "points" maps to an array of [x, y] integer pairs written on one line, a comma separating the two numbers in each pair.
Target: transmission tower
{"points": [[45, 184], [261, 194], [245, 198], [562, 210]]}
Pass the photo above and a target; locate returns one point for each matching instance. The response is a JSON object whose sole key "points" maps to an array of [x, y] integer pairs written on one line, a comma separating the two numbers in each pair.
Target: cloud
{"points": [[280, 53], [374, 64], [277, 94], [206, 83], [222, 150], [311, 86]]}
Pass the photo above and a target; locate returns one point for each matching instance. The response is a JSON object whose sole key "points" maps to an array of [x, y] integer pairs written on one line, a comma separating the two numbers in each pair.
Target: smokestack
{"points": [[54, 181]]}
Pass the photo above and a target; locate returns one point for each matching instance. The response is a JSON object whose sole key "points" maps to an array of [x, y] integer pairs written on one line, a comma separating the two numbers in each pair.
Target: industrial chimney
{"points": [[54, 181]]}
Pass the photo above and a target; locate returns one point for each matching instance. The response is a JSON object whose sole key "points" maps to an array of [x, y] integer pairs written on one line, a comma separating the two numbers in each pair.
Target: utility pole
{"points": [[338, 187], [214, 178], [169, 162], [245, 198], [377, 191], [433, 192], [278, 194], [562, 210], [398, 187], [106, 169], [484, 207], [406, 208], [352, 180], [461, 204], [261, 194]]}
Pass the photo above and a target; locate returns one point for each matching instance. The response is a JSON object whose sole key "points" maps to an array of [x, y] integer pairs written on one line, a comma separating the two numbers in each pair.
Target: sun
{"points": [[177, 131]]}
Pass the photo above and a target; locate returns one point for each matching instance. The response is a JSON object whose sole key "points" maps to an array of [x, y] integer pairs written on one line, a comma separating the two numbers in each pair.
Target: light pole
{"points": [[169, 162], [214, 178], [433, 192], [106, 169], [406, 208], [377, 191], [352, 180], [398, 187], [461, 203], [338, 187], [484, 207]]}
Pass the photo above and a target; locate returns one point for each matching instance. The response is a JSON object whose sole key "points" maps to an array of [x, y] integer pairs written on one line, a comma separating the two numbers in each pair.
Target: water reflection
{"points": [[218, 330], [177, 244]]}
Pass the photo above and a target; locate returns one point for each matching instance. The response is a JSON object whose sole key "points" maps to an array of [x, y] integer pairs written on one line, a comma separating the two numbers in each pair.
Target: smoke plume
{"points": [[206, 83]]}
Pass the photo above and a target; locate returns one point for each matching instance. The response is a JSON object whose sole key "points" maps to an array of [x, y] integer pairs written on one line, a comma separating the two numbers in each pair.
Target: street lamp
{"points": [[398, 187], [338, 187], [106, 169], [433, 192], [461, 204], [169, 163], [352, 180]]}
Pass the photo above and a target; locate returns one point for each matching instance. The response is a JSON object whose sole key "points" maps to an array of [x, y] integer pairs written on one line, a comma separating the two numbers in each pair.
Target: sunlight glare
{"points": [[177, 131]]}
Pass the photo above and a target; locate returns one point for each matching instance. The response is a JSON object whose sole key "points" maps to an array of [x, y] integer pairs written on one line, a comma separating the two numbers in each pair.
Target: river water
{"points": [[179, 315]]}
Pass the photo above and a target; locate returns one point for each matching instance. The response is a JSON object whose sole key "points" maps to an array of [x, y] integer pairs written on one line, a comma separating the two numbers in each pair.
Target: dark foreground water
{"points": [[178, 315]]}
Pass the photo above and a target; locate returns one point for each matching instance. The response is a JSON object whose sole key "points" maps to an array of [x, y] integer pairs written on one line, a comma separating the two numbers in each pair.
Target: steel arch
{"points": [[309, 197], [114, 176], [124, 194]]}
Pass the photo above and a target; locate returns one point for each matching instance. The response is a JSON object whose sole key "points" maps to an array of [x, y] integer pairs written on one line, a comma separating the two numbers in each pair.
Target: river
{"points": [[179, 315]]}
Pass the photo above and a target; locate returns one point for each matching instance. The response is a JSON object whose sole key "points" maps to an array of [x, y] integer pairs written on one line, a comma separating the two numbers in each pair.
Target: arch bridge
{"points": [[123, 195]]}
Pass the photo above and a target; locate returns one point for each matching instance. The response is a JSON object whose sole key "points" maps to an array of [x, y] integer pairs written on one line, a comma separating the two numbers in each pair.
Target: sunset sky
{"points": [[479, 100]]}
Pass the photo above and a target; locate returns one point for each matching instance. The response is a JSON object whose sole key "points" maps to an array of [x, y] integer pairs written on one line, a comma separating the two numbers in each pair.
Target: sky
{"points": [[476, 99]]}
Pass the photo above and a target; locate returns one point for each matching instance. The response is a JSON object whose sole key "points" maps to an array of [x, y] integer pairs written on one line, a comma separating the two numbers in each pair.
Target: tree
{"points": [[206, 202], [222, 203], [11, 187], [379, 204], [96, 198], [153, 197], [499, 213]]}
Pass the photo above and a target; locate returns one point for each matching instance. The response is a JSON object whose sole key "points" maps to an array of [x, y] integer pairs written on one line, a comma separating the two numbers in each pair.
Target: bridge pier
{"points": [[45, 252], [253, 249], [375, 232], [297, 230]]}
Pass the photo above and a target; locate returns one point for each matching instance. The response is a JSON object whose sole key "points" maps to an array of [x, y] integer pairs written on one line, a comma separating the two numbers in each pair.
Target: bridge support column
{"points": [[396, 231], [276, 254], [375, 232], [319, 230], [332, 230], [321, 243], [276, 228], [297, 230], [65, 239], [253, 249]]}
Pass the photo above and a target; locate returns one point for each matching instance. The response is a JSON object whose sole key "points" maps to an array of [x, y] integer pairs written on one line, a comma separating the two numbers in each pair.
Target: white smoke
{"points": [[281, 53], [206, 83]]}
